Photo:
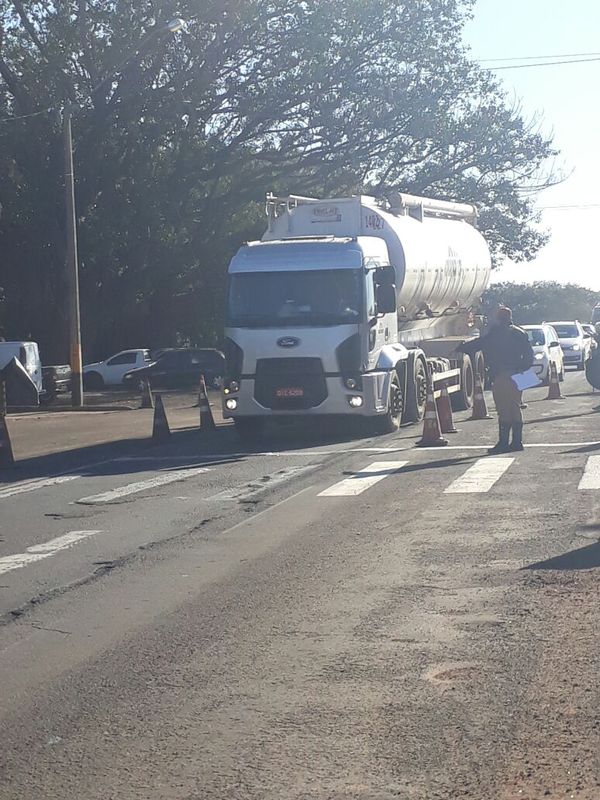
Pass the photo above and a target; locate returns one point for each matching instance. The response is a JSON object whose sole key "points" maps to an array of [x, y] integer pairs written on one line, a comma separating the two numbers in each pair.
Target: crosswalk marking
{"points": [[591, 476], [480, 477], [141, 486], [364, 479], [37, 552], [31, 486]]}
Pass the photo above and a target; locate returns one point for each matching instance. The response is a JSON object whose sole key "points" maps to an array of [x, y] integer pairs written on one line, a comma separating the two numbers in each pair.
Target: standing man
{"points": [[506, 350]]}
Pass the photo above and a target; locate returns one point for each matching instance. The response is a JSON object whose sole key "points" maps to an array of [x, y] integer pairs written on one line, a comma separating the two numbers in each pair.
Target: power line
{"points": [[27, 116], [538, 58], [544, 64], [569, 207]]}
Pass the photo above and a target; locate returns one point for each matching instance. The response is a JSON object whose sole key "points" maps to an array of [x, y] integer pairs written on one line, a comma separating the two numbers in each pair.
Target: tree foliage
{"points": [[177, 139], [544, 300]]}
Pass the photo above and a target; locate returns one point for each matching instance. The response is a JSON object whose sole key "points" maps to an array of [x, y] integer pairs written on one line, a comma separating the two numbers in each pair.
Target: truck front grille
{"points": [[290, 383]]}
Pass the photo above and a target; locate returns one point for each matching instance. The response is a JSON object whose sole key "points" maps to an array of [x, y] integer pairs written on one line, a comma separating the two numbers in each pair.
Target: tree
{"points": [[545, 300], [177, 142]]}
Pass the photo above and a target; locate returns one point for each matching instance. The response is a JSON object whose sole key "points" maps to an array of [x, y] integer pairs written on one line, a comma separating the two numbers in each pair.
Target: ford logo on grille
{"points": [[288, 341]]}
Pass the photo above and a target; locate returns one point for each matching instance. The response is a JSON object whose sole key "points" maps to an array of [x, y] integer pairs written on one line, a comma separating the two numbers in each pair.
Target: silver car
{"points": [[575, 342]]}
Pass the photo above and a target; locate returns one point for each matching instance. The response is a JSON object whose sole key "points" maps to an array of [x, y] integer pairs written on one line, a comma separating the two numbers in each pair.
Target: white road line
{"points": [[591, 475], [31, 486], [364, 479], [480, 477], [141, 486], [40, 551]]}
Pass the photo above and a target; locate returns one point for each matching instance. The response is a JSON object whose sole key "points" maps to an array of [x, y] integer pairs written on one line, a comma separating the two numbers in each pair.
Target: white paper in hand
{"points": [[526, 380]]}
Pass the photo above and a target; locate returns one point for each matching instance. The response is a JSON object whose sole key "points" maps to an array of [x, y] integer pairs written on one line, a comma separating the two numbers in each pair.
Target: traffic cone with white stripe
{"points": [[160, 426], [444, 409], [480, 410], [554, 392], [147, 397], [432, 434], [207, 421]]}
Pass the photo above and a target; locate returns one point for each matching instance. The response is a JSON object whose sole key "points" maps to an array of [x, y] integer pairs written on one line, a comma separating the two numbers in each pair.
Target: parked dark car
{"points": [[55, 379], [180, 368]]}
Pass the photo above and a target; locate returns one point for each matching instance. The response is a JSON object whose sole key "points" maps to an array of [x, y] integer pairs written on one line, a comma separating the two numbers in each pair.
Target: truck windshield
{"points": [[294, 299]]}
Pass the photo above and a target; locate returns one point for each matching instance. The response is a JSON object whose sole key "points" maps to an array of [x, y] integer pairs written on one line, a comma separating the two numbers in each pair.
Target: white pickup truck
{"points": [[112, 371]]}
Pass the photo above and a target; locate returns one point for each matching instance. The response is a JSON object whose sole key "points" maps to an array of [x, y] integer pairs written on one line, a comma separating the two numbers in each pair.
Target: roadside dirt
{"points": [[556, 752]]}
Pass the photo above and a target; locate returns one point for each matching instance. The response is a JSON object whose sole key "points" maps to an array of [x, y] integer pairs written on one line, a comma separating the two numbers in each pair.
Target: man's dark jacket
{"points": [[505, 348]]}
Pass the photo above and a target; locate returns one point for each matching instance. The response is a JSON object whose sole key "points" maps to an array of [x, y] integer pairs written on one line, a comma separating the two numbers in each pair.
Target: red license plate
{"points": [[290, 391]]}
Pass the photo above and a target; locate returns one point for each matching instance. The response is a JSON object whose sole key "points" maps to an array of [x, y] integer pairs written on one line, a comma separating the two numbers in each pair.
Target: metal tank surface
{"points": [[441, 260]]}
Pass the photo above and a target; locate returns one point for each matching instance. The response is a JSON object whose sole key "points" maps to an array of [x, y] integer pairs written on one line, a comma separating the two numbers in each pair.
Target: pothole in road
{"points": [[450, 673]]}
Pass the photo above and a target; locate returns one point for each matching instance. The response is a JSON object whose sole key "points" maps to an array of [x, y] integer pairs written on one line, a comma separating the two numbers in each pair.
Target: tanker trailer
{"points": [[343, 306]]}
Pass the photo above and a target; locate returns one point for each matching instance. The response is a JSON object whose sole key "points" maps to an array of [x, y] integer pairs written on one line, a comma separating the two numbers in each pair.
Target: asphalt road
{"points": [[326, 618]]}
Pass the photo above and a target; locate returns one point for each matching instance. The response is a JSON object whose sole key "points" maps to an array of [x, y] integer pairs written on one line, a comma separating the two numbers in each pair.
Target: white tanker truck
{"points": [[344, 304]]}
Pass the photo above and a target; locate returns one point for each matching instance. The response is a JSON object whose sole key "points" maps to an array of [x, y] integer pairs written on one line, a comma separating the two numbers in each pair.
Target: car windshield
{"points": [[536, 337], [294, 299], [566, 331]]}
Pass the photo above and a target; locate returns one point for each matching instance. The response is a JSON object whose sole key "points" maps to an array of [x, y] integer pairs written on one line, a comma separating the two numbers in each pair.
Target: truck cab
{"points": [[306, 325]]}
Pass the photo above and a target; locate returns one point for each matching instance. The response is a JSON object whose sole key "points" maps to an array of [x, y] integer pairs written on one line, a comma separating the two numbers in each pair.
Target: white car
{"points": [[575, 342], [547, 350], [112, 371]]}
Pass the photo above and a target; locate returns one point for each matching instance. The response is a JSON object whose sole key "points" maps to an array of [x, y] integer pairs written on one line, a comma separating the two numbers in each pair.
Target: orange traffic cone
{"points": [[206, 418], [160, 426], [7, 458], [147, 397], [554, 392], [444, 409], [480, 410], [432, 434]]}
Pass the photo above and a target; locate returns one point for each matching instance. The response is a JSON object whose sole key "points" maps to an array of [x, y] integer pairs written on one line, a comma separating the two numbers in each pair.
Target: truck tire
{"points": [[390, 422], [249, 429], [416, 390], [463, 400], [93, 381]]}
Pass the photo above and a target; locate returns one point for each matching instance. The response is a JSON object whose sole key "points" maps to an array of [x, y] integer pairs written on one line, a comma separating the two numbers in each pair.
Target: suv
{"points": [[180, 368], [575, 342], [547, 350]]}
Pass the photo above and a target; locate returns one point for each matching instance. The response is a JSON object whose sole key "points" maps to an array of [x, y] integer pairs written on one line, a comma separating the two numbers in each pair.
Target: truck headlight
{"points": [[355, 401], [576, 347], [539, 356], [231, 404]]}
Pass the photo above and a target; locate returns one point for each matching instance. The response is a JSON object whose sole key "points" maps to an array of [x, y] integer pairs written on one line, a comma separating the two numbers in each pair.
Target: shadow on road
{"points": [[583, 558], [183, 449], [588, 448], [446, 462], [557, 418]]}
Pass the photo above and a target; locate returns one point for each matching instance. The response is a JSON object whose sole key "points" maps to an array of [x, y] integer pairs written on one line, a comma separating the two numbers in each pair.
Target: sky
{"points": [[567, 99]]}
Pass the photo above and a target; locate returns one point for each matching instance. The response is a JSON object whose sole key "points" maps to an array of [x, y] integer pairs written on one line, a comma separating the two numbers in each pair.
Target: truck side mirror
{"points": [[386, 298], [385, 275]]}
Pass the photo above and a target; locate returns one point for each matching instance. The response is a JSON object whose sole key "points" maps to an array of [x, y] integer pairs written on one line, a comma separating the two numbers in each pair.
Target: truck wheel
{"points": [[93, 381], [416, 392], [390, 422], [249, 429], [463, 400]]}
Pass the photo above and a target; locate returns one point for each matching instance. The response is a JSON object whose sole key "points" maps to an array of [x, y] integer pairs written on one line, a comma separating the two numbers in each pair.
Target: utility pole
{"points": [[72, 265], [72, 261]]}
